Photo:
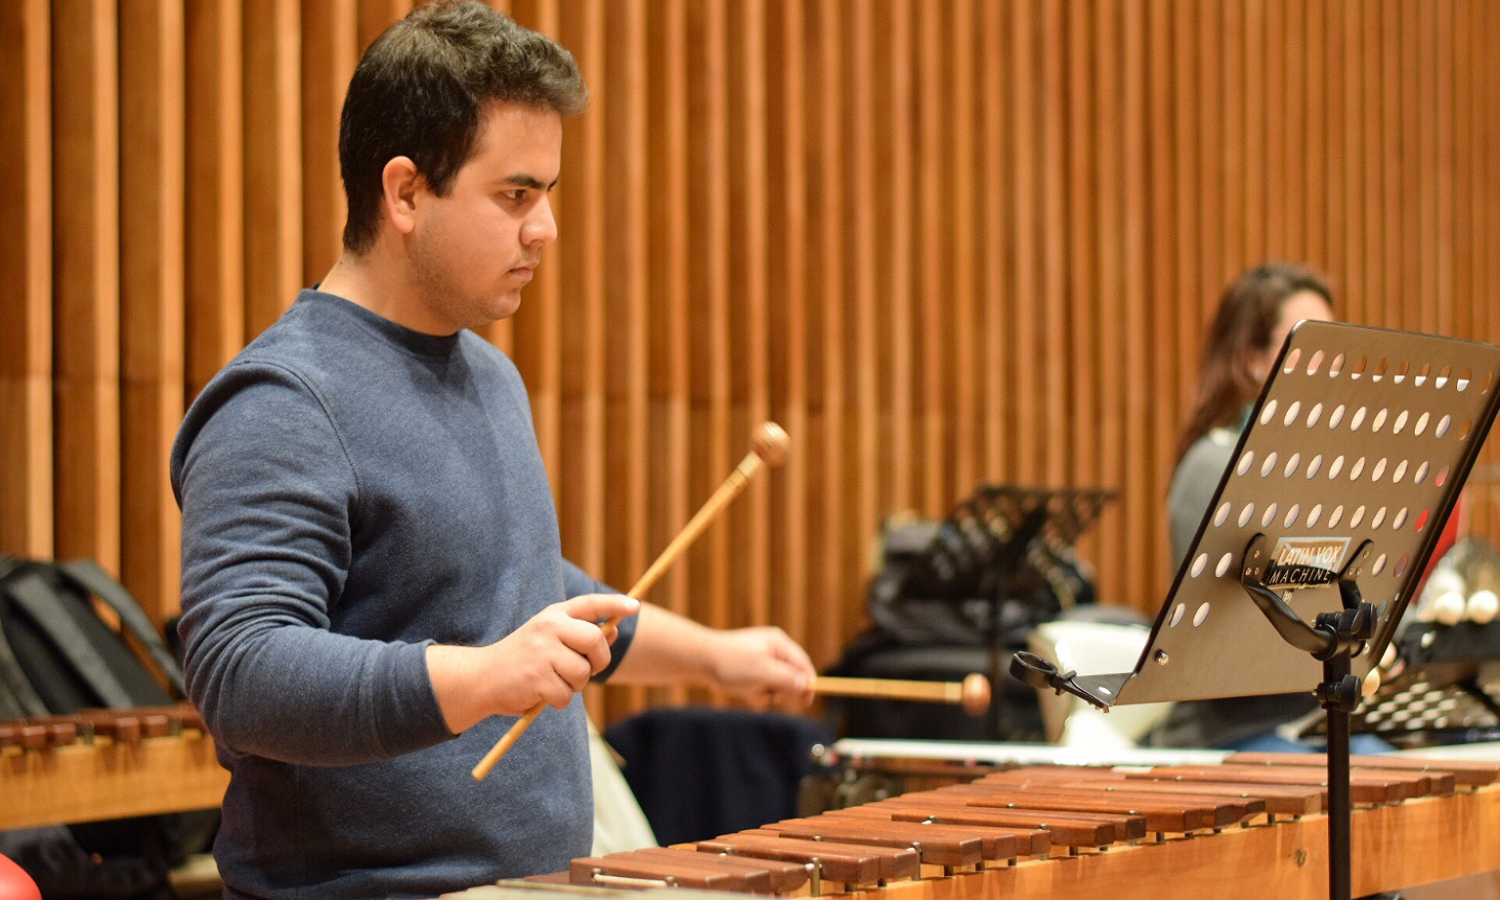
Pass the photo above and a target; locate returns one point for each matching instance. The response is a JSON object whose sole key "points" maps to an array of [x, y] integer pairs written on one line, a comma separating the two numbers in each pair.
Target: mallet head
{"points": [[975, 695], [771, 444]]}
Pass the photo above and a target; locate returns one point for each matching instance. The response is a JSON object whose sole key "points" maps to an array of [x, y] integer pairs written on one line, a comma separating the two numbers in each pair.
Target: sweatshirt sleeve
{"points": [[268, 494], [576, 583]]}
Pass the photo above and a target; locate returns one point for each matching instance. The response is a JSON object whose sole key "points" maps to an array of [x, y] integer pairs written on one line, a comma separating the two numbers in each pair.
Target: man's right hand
{"points": [[553, 656], [547, 660]]}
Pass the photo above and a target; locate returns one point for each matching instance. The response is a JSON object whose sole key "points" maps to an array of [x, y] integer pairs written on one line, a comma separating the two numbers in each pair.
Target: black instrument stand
{"points": [[1362, 438], [993, 546]]}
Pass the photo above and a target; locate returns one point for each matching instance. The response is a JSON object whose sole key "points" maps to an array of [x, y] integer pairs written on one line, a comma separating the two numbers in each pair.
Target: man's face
{"points": [[473, 249]]}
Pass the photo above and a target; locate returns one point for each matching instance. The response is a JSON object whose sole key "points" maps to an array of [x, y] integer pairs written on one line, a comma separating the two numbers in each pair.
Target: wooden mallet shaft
{"points": [[769, 449], [973, 693]]}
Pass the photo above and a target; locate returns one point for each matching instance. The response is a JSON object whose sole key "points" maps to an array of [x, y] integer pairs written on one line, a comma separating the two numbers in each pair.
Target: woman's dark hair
{"points": [[420, 91], [1247, 317]]}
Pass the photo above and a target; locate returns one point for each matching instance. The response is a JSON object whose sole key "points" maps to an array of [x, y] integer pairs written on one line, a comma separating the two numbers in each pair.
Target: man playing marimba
{"points": [[371, 561]]}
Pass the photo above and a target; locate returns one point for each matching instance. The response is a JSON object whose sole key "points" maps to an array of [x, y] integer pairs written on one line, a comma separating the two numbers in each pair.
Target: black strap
{"points": [[87, 575], [39, 601], [19, 699]]}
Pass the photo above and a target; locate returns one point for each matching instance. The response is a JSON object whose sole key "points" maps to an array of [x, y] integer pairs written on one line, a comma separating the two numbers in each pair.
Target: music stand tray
{"points": [[993, 534], [1318, 533]]}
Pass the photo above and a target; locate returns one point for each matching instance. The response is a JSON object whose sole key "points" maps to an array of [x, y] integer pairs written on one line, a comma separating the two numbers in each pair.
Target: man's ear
{"points": [[399, 181]]}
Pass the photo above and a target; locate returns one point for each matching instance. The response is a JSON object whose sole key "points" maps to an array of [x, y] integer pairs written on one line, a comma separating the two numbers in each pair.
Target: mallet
{"points": [[768, 449]]}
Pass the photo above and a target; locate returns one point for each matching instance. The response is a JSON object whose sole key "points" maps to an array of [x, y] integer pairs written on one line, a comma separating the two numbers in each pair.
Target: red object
{"points": [[15, 884], [1445, 542]]}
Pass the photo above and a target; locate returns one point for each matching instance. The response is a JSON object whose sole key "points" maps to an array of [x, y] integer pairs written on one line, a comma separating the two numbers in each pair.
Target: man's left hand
{"points": [[762, 665]]}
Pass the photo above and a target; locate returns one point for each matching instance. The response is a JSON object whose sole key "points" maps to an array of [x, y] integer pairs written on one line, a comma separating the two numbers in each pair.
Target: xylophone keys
{"points": [[1279, 799], [785, 877], [937, 849], [1162, 814], [60, 731], [997, 842], [896, 862], [846, 864], [1074, 829], [758, 878], [1384, 787], [1228, 808], [120, 727], [1465, 773], [1028, 812], [23, 735], [1062, 835], [1213, 812], [81, 727], [620, 869]]}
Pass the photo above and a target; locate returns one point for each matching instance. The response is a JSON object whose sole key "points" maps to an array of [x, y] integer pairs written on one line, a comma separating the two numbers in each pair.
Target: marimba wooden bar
{"points": [[105, 764], [1246, 830]]}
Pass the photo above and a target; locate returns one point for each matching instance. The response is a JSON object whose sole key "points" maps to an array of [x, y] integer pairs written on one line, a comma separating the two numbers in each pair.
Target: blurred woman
{"points": [[1256, 313]]}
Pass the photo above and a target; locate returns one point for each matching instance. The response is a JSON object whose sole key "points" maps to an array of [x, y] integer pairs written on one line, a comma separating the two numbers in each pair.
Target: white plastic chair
{"points": [[1093, 648]]}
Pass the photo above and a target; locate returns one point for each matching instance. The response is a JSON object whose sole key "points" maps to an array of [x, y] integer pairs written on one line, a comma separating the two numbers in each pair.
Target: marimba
{"points": [[106, 764], [1251, 827]]}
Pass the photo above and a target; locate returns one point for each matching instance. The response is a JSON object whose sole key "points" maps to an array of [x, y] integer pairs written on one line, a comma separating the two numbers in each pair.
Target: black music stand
{"points": [[994, 546], [1333, 501]]}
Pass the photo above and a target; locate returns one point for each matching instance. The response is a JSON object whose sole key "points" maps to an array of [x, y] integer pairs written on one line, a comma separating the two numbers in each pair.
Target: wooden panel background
{"points": [[940, 242]]}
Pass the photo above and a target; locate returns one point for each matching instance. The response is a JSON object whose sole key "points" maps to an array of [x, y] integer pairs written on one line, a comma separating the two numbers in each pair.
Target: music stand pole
{"points": [[1333, 639], [1340, 824]]}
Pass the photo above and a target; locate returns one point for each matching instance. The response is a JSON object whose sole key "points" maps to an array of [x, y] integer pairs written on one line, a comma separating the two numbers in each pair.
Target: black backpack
{"points": [[58, 656]]}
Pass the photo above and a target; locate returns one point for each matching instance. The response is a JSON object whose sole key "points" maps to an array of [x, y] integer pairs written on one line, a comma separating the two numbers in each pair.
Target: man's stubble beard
{"points": [[436, 286]]}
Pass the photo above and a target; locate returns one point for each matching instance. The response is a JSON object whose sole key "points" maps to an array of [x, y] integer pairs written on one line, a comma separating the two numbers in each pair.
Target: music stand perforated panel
{"points": [[1360, 433]]}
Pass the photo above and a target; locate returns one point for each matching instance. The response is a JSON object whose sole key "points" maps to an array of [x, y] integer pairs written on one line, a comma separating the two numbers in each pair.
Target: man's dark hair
{"points": [[420, 91]]}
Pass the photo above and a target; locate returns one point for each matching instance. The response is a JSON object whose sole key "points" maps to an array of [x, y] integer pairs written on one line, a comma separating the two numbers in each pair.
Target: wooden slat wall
{"points": [[86, 281], [153, 170], [26, 371], [940, 242]]}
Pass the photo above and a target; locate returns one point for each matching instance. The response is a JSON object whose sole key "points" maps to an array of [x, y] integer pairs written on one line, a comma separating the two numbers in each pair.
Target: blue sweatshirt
{"points": [[352, 491]]}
